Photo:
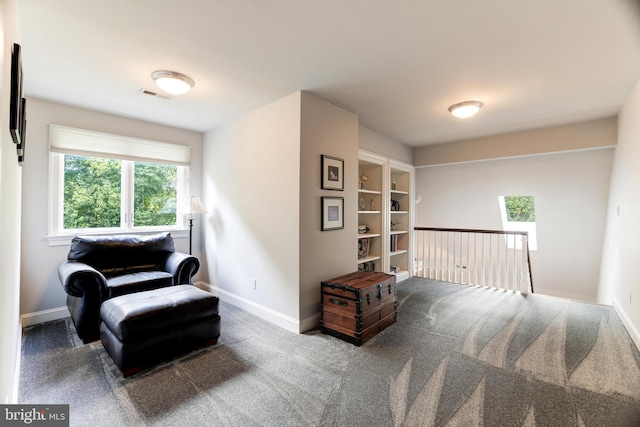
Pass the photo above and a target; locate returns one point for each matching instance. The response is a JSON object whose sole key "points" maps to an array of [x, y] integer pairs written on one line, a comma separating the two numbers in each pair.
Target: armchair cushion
{"points": [[137, 282]]}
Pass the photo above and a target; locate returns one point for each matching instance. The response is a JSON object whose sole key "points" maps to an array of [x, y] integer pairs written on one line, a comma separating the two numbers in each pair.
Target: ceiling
{"points": [[398, 65]]}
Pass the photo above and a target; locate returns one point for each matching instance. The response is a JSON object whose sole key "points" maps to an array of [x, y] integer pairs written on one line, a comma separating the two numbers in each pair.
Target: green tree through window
{"points": [[92, 190], [154, 194], [520, 208], [99, 191]]}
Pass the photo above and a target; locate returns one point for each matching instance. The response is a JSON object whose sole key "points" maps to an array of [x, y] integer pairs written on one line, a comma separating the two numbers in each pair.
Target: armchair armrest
{"points": [[82, 281], [86, 288], [182, 266]]}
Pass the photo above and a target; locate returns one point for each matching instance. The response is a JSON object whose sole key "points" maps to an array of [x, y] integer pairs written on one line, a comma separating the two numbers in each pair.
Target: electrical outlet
{"points": [[253, 284]]}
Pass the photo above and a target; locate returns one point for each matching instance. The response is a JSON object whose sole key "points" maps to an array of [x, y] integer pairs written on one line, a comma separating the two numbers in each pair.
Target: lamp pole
{"points": [[192, 205], [190, 233]]}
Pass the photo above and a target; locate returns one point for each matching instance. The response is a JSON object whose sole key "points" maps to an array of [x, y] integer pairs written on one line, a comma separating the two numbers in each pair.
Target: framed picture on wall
{"points": [[332, 213], [332, 173]]}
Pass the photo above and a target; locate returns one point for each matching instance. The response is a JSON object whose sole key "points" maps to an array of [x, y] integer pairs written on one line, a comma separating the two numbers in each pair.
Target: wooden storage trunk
{"points": [[356, 306]]}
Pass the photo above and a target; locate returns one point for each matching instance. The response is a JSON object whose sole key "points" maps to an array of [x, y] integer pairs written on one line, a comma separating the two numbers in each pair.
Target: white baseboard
{"points": [[572, 296], [310, 322], [44, 316], [626, 321], [400, 275], [282, 320]]}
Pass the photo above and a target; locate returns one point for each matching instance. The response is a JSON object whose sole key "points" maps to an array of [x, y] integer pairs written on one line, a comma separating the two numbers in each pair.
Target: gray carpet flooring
{"points": [[457, 356]]}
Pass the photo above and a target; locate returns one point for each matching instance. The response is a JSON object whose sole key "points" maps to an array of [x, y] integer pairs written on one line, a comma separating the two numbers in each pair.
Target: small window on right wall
{"points": [[519, 214]]}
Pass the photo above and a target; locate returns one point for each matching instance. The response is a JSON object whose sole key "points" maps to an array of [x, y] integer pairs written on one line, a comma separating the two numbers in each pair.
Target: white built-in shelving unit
{"points": [[387, 245]]}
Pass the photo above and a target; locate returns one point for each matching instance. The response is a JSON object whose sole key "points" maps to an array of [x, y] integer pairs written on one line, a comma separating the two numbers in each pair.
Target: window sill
{"points": [[65, 239]]}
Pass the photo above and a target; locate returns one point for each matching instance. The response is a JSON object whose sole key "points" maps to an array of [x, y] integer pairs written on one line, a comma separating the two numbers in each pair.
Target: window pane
{"points": [[91, 192], [520, 208], [155, 194]]}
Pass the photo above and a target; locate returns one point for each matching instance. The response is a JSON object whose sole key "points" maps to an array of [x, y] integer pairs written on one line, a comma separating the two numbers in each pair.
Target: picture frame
{"points": [[332, 213], [332, 173], [15, 107]]}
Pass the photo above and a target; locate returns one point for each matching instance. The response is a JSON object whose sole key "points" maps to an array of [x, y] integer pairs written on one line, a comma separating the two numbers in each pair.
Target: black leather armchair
{"points": [[102, 267]]}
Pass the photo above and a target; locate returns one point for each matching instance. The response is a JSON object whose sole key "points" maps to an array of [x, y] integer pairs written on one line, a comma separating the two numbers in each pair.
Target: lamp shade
{"points": [[192, 205]]}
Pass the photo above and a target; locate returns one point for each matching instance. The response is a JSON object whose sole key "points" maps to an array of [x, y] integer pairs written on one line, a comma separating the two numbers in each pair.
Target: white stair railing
{"points": [[492, 258]]}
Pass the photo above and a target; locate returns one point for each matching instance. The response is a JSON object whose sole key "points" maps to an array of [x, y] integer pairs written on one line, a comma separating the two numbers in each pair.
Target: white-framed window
{"points": [[518, 214], [103, 183]]}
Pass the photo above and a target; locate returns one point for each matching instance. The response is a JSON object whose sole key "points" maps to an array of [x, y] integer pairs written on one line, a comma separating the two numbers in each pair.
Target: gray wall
{"points": [[387, 147], [326, 129], [41, 288], [251, 181], [556, 139], [571, 192], [619, 284]]}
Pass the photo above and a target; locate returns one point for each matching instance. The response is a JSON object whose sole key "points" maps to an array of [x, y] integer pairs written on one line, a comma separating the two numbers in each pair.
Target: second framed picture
{"points": [[332, 213], [332, 173]]}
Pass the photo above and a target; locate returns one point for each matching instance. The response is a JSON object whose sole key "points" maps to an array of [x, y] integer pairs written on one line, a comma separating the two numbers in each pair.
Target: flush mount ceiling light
{"points": [[172, 82], [465, 109]]}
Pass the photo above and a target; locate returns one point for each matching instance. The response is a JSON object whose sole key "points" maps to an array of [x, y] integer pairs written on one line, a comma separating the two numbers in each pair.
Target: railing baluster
{"points": [[441, 263], [464, 257], [469, 258], [426, 257], [506, 262], [524, 283], [449, 257], [441, 258], [505, 281], [452, 267], [514, 272], [475, 239], [483, 266], [420, 254], [426, 261], [475, 259], [425, 253], [497, 264], [429, 256], [442, 250]]}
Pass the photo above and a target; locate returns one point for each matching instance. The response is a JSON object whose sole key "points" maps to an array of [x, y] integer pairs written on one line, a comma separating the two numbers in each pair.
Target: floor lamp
{"points": [[192, 205]]}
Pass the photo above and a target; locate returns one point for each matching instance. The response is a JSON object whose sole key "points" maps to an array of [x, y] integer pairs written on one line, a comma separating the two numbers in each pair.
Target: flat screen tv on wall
{"points": [[17, 109]]}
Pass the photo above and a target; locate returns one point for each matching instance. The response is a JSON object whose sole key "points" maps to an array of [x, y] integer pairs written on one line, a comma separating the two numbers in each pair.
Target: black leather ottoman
{"points": [[142, 328]]}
